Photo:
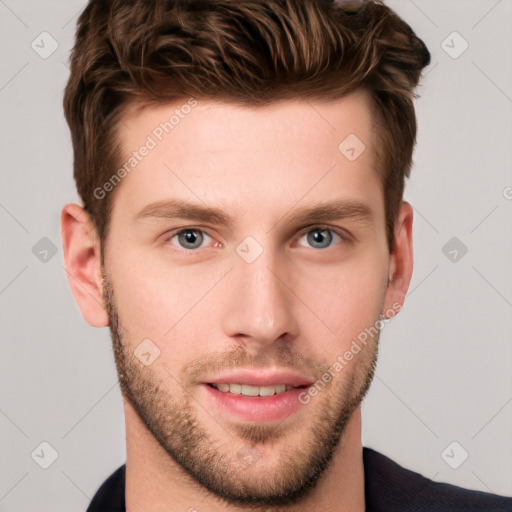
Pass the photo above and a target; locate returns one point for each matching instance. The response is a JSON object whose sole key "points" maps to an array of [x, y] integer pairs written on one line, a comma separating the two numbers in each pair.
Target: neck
{"points": [[155, 483]]}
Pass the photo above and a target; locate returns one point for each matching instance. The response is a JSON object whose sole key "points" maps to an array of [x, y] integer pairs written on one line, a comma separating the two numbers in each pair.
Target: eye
{"points": [[189, 238], [321, 237]]}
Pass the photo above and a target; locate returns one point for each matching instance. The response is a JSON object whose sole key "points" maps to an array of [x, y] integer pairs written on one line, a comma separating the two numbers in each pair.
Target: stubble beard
{"points": [[215, 464]]}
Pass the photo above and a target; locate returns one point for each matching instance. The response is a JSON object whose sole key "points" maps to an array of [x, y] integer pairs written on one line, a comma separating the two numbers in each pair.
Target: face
{"points": [[272, 287]]}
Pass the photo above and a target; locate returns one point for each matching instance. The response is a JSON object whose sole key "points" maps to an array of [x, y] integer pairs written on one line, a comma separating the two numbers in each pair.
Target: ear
{"points": [[82, 262], [401, 262]]}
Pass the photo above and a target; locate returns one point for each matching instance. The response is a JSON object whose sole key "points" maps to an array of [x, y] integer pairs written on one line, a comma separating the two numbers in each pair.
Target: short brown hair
{"points": [[248, 52]]}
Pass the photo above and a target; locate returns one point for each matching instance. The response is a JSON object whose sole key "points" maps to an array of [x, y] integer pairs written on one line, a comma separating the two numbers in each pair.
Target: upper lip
{"points": [[261, 378]]}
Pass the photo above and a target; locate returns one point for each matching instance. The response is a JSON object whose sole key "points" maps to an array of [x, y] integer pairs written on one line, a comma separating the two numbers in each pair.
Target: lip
{"points": [[254, 408], [260, 378]]}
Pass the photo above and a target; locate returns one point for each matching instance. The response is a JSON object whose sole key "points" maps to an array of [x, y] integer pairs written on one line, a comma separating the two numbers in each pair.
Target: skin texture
{"points": [[299, 305]]}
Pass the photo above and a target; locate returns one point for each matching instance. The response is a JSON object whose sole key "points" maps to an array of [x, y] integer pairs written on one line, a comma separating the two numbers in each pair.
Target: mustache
{"points": [[281, 357]]}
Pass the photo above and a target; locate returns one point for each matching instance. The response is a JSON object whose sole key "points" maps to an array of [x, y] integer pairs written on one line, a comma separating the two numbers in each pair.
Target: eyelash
{"points": [[316, 227]]}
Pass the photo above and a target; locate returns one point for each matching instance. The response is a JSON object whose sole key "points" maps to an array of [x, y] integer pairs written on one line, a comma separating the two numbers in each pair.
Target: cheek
{"points": [[346, 298], [171, 306]]}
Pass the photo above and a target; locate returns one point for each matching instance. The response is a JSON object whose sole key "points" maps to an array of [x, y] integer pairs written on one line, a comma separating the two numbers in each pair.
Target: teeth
{"points": [[236, 389], [247, 390], [270, 390]]}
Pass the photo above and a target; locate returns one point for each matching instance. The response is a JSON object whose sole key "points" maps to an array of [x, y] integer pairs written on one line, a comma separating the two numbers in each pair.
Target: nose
{"points": [[259, 309]]}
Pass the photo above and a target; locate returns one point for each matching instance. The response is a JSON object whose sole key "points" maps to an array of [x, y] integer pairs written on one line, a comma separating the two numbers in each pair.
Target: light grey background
{"points": [[444, 372]]}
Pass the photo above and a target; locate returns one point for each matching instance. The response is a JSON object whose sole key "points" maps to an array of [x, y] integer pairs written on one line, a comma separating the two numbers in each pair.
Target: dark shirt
{"points": [[388, 488]]}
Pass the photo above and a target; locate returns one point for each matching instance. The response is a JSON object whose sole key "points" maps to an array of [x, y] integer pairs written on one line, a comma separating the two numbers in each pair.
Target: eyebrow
{"points": [[175, 208]]}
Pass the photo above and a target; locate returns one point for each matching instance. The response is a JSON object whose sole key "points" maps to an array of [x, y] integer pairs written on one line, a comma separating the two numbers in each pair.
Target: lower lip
{"points": [[256, 408]]}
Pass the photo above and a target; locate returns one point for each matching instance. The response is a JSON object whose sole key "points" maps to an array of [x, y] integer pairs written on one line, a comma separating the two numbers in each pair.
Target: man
{"points": [[244, 236]]}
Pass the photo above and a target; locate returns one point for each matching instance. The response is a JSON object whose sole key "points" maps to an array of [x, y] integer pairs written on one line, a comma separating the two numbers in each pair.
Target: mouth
{"points": [[254, 391], [256, 396]]}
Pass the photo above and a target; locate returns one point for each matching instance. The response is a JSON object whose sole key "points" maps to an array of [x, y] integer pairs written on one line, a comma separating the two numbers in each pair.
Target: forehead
{"points": [[297, 118], [222, 153]]}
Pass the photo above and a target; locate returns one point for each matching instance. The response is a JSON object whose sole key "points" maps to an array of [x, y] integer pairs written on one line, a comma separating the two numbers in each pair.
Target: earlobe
{"points": [[82, 262], [401, 262]]}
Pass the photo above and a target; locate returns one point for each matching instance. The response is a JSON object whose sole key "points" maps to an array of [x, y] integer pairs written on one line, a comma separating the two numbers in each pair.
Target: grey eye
{"points": [[320, 238], [190, 238]]}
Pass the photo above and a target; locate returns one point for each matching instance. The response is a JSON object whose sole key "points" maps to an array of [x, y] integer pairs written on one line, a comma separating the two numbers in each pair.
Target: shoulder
{"points": [[110, 496], [390, 487]]}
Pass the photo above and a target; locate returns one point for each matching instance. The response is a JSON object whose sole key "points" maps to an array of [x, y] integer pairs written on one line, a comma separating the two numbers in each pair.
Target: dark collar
{"points": [[388, 488]]}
